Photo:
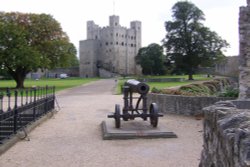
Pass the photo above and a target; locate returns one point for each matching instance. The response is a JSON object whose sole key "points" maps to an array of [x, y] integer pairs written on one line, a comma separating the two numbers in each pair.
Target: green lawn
{"points": [[161, 85], [60, 84]]}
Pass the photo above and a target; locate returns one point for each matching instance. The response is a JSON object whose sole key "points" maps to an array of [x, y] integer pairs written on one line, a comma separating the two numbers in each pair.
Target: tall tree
{"points": [[189, 44], [32, 41], [151, 59]]}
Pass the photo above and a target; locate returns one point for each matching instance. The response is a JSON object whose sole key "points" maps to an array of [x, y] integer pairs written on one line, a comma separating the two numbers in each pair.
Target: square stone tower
{"points": [[112, 48]]}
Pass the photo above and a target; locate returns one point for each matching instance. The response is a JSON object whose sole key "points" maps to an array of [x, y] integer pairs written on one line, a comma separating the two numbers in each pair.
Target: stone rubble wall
{"points": [[244, 35], [226, 135], [184, 105]]}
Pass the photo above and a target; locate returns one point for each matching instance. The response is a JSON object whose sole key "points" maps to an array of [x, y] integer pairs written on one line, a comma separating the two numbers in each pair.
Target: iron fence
{"points": [[19, 108]]}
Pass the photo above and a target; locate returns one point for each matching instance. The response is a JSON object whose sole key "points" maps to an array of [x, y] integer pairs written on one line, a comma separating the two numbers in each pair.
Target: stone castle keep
{"points": [[112, 48]]}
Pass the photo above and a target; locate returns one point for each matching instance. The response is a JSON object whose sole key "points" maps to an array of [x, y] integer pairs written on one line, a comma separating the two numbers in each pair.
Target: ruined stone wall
{"points": [[226, 135], [229, 67], [244, 31], [227, 124]]}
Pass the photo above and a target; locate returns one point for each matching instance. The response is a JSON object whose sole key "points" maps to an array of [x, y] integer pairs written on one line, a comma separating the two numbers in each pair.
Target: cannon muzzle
{"points": [[137, 87]]}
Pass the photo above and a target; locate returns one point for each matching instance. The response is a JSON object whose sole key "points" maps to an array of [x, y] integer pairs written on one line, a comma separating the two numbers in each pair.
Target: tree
{"points": [[151, 59], [32, 41], [189, 44]]}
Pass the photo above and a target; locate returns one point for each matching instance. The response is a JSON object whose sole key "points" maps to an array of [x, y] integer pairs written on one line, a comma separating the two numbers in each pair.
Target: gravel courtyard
{"points": [[72, 137]]}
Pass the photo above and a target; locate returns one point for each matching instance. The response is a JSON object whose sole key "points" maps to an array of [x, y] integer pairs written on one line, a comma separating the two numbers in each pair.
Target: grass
{"points": [[60, 84], [161, 85]]}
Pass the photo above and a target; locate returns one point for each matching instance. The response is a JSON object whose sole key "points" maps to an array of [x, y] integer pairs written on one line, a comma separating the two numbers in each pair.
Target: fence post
{"points": [[31, 95], [15, 112], [21, 97], [34, 105], [26, 92], [54, 96], [1, 103], [8, 95], [46, 99]]}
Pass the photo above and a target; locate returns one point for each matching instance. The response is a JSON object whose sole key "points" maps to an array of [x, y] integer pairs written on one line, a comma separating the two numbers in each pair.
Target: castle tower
{"points": [[114, 21], [112, 48]]}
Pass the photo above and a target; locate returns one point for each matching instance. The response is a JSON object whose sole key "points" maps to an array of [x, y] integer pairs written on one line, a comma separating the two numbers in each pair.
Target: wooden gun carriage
{"points": [[130, 110]]}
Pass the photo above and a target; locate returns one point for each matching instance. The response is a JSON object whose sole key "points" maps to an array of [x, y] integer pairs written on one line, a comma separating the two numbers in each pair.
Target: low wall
{"points": [[226, 135], [185, 105], [161, 79]]}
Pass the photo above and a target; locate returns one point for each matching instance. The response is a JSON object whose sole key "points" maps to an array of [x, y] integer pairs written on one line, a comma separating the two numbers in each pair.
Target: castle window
{"points": [[116, 43], [122, 43], [131, 37], [122, 35], [132, 45], [116, 24], [96, 37], [139, 28], [117, 34], [111, 43], [100, 45], [107, 43]]}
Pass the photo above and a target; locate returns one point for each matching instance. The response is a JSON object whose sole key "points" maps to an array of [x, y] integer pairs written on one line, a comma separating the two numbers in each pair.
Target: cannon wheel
{"points": [[154, 114], [117, 116]]}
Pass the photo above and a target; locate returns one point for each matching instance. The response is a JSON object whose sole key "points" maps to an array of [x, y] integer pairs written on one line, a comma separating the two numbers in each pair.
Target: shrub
{"points": [[229, 92], [155, 90], [195, 89]]}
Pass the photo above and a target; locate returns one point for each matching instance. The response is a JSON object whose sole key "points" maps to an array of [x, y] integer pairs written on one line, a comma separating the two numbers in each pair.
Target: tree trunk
{"points": [[20, 82], [190, 76], [19, 76]]}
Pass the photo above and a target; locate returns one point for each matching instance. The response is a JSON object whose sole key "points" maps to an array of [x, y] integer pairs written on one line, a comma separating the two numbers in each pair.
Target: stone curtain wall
{"points": [[244, 31], [226, 135], [185, 105], [229, 67]]}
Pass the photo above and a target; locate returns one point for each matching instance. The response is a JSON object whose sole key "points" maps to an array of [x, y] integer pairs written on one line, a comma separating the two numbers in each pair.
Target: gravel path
{"points": [[72, 137]]}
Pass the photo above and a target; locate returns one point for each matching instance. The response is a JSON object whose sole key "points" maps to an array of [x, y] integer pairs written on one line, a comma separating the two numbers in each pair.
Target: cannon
{"points": [[133, 110]]}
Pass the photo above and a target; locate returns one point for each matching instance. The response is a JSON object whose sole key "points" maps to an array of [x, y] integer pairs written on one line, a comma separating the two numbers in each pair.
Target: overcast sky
{"points": [[221, 16]]}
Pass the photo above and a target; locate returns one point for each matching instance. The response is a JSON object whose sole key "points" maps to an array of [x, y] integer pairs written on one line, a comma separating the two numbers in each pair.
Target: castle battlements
{"points": [[112, 48]]}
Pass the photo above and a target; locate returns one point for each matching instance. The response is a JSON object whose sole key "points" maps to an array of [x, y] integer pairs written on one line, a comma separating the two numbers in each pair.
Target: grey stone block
{"points": [[134, 130]]}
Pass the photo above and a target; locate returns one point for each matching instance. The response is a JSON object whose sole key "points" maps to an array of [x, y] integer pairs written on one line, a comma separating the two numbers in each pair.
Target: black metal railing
{"points": [[18, 108]]}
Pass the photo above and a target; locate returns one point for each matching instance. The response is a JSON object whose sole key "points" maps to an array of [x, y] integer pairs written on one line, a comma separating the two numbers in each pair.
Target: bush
{"points": [[195, 90], [229, 92], [155, 90], [203, 89]]}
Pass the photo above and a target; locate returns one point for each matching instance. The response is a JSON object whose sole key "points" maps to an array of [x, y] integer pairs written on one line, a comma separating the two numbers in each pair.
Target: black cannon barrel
{"points": [[137, 86]]}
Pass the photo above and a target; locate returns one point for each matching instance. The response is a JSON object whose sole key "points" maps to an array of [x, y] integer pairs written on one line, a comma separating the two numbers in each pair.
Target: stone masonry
{"points": [[226, 135], [227, 124], [183, 105], [244, 32], [112, 48]]}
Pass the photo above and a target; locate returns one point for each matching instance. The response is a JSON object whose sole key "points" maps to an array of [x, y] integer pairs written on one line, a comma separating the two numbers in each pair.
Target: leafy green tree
{"points": [[32, 41], [151, 59], [189, 44]]}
